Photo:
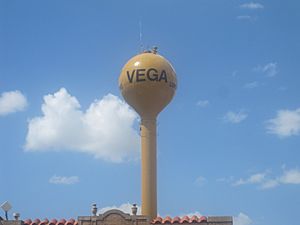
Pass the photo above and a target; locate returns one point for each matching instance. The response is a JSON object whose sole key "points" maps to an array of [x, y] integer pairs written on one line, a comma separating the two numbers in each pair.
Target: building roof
{"points": [[50, 222], [179, 220], [157, 220]]}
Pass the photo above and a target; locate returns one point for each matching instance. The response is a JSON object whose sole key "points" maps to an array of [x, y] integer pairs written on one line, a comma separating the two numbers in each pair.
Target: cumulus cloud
{"points": [[270, 69], [105, 130], [285, 124], [265, 181], [202, 103], [235, 117], [252, 5], [290, 177], [11, 102], [64, 180], [125, 207], [242, 219]]}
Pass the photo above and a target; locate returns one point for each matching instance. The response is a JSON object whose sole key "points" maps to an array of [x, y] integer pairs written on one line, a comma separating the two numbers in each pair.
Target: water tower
{"points": [[148, 83]]}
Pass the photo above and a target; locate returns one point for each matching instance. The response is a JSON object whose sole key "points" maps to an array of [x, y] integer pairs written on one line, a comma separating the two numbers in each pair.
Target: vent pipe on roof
{"points": [[16, 215], [134, 209], [94, 209]]}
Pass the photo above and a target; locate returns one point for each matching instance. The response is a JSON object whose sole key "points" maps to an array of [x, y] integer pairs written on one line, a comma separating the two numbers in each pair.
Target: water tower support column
{"points": [[149, 193]]}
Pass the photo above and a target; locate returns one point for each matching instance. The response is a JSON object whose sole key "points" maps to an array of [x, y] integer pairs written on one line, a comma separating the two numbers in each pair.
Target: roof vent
{"points": [[134, 209], [94, 209]]}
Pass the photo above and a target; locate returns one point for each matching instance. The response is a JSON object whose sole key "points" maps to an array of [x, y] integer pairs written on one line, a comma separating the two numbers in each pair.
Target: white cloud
{"points": [[11, 102], [264, 181], [63, 180], [267, 184], [104, 130], [235, 117], [126, 208], [252, 5], [290, 177], [200, 181], [242, 219], [257, 178], [202, 103], [270, 69], [285, 124], [253, 179], [251, 85]]}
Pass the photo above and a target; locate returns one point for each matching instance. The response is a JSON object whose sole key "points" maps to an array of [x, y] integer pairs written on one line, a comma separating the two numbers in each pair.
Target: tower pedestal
{"points": [[149, 190]]}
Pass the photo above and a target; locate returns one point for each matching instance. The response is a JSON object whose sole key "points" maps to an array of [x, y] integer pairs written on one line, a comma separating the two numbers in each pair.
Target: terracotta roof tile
{"points": [[70, 221], [28, 221], [194, 219], [167, 220], [44, 222], [36, 222], [185, 219], [61, 222], [178, 220], [202, 218], [157, 220], [51, 222]]}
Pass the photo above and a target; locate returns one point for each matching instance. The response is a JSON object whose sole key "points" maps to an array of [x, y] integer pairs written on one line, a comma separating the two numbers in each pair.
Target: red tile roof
{"points": [[185, 219], [51, 222], [157, 220]]}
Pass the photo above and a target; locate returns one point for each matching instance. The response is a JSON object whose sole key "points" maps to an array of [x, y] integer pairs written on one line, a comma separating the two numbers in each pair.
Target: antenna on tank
{"points": [[141, 37], [154, 49]]}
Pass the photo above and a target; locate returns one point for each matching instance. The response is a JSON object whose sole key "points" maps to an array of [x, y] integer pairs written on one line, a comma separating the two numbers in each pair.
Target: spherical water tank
{"points": [[148, 83]]}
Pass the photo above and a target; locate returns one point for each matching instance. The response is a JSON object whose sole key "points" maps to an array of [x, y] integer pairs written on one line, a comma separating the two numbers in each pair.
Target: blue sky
{"points": [[228, 144]]}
